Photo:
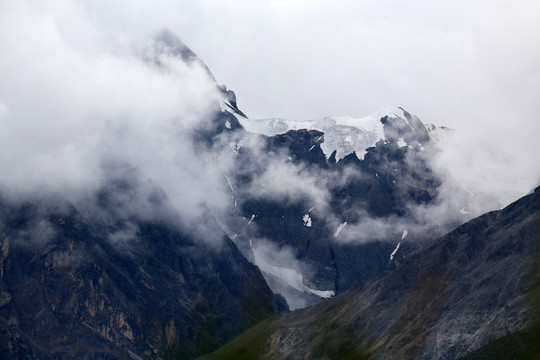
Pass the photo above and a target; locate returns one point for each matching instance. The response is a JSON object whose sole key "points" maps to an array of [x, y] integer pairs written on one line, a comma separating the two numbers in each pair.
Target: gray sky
{"points": [[472, 65], [466, 64]]}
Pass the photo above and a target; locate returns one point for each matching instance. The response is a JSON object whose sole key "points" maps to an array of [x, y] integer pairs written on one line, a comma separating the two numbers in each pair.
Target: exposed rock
{"points": [[81, 293], [468, 288]]}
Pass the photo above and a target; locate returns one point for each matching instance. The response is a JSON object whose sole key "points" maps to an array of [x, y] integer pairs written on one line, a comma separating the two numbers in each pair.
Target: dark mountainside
{"points": [[113, 286], [392, 179], [468, 288], [385, 184]]}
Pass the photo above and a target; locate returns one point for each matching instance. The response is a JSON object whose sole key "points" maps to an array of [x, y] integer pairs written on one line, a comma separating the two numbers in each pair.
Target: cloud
{"points": [[36, 234], [285, 273], [71, 102], [78, 89], [462, 64], [288, 182]]}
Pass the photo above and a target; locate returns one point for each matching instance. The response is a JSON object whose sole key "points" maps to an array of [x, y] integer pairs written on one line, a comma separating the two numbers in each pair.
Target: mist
{"points": [[83, 88], [69, 107]]}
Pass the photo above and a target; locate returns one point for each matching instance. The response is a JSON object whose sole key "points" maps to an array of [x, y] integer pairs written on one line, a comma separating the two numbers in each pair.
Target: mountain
{"points": [[182, 222], [110, 284], [358, 184], [324, 205], [466, 289], [359, 193], [346, 135], [166, 43]]}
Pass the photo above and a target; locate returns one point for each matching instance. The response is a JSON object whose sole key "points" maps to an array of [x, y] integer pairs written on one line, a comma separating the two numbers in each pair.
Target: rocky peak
{"points": [[166, 42]]}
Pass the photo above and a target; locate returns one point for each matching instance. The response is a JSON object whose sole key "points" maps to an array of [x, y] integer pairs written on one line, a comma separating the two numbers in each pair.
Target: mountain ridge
{"points": [[441, 302]]}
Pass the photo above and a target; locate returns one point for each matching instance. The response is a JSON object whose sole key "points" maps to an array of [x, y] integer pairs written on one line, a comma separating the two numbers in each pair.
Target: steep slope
{"points": [[110, 283], [344, 219], [520, 345], [465, 290], [339, 195]]}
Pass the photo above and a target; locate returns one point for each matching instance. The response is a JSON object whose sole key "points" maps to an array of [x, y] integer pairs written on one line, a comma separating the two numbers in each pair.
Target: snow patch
{"points": [[235, 147], [404, 234], [231, 187], [340, 229], [401, 142], [307, 220], [394, 252], [290, 276], [228, 124], [251, 220], [342, 134]]}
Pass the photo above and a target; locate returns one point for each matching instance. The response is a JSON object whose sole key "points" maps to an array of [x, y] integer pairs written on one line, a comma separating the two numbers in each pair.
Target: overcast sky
{"points": [[467, 64]]}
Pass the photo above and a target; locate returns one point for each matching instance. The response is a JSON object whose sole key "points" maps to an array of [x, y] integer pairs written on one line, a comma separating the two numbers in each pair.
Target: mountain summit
{"points": [[346, 135]]}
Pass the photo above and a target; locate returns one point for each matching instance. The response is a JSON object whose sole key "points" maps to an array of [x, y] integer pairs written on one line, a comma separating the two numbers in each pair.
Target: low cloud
{"points": [[68, 109], [36, 234], [474, 175], [287, 182], [483, 169], [285, 273], [80, 90]]}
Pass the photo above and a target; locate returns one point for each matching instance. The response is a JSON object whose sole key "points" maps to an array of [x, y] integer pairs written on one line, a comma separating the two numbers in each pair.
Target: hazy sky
{"points": [[471, 64]]}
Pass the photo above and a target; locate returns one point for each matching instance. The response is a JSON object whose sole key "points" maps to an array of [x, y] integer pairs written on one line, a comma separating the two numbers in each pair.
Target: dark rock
{"points": [[111, 284], [465, 290]]}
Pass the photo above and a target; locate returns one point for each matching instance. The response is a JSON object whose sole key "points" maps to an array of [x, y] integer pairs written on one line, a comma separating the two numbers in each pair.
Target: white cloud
{"points": [[284, 181], [75, 89], [68, 103]]}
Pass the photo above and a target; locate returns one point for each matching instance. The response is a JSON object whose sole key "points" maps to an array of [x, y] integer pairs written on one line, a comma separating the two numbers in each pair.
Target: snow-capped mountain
{"points": [[495, 183], [415, 179], [342, 134], [201, 221], [342, 212]]}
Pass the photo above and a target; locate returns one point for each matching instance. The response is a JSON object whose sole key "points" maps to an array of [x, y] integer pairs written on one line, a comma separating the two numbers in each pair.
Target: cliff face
{"points": [[112, 286], [466, 289], [381, 188]]}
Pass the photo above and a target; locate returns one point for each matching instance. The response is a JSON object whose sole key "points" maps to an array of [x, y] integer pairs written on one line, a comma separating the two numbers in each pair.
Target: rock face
{"points": [[360, 171], [466, 289], [106, 284], [386, 183]]}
